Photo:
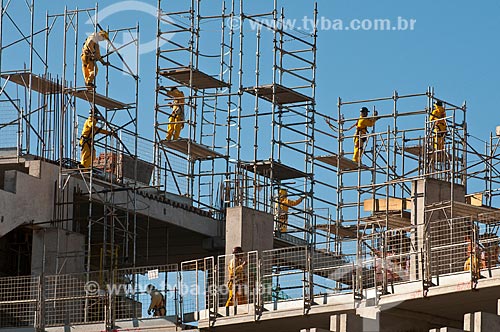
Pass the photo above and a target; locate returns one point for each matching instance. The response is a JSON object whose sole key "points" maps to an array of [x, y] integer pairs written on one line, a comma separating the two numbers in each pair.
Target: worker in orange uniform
{"points": [[236, 280], [90, 54], [176, 119], [89, 130], [282, 208], [438, 123], [157, 305], [361, 131]]}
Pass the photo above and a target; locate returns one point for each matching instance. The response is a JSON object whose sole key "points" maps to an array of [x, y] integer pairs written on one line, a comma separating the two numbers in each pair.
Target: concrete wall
{"points": [[56, 251], [27, 198], [250, 229]]}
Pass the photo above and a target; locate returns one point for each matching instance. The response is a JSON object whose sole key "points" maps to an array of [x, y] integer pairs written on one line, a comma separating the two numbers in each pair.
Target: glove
{"points": [[106, 63], [149, 311], [375, 112]]}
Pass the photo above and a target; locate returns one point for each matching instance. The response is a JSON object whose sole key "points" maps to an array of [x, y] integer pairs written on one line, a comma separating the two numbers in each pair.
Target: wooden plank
{"points": [[381, 204], [341, 231], [98, 99], [194, 150], [279, 171], [193, 77], [394, 220], [278, 94], [464, 210], [340, 162], [474, 199], [38, 83]]}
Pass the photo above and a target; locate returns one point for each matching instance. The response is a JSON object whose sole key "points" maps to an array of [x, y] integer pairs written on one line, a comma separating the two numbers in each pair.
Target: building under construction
{"points": [[406, 239]]}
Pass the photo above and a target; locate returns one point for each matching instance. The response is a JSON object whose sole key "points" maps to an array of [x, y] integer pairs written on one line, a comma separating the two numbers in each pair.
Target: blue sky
{"points": [[453, 48]]}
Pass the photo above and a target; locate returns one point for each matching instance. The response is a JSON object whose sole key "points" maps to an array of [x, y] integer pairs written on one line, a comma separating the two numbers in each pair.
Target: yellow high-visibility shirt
{"points": [[91, 48], [177, 104], [438, 115], [91, 125], [363, 123]]}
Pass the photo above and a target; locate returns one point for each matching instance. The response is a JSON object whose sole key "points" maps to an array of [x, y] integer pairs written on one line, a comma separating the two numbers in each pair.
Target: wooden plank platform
{"points": [[283, 94], [38, 83], [280, 171], [343, 231], [194, 150], [394, 219], [199, 80], [465, 210], [100, 100], [343, 163], [415, 150]]}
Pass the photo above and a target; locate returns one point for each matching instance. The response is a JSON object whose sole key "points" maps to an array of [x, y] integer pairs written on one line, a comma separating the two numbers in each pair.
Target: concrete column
{"points": [[446, 329], [249, 229], [425, 192], [353, 323], [481, 322]]}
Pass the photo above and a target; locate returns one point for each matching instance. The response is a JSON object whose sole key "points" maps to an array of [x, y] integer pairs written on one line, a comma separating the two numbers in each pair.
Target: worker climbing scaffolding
{"points": [[360, 136], [176, 118], [90, 54], [89, 131], [282, 206]]}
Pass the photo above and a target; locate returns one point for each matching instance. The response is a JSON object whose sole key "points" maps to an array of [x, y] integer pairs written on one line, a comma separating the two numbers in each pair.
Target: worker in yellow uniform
{"points": [[282, 208], [176, 119], [90, 54], [236, 278], [157, 305], [89, 130], [438, 123], [361, 132]]}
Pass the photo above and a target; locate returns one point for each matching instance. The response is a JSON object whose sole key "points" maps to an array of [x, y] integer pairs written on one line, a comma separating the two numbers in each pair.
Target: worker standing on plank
{"points": [[90, 54], [438, 123], [89, 130], [282, 208], [176, 118], [361, 132]]}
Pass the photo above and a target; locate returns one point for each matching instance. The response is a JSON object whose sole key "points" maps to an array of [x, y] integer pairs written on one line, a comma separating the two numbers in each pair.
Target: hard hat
{"points": [[439, 103], [103, 34], [282, 192], [237, 250], [150, 288], [364, 110]]}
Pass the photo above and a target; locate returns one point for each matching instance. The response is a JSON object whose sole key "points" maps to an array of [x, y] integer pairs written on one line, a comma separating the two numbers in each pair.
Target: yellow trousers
{"points": [[358, 148], [240, 296], [283, 223], [174, 127], [89, 69], [87, 155]]}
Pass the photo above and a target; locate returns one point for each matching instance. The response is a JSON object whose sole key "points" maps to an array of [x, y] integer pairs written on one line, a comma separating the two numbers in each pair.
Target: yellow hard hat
{"points": [[104, 34]]}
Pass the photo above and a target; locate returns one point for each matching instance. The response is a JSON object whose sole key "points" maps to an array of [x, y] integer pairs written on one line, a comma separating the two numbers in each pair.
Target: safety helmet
{"points": [[282, 192], [150, 288], [237, 250], [364, 110], [439, 103], [103, 34]]}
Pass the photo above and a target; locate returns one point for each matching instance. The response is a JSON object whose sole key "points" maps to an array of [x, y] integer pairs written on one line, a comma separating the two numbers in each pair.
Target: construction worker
{"points": [[438, 123], [89, 130], [236, 279], [90, 54], [176, 119], [361, 131], [475, 259], [282, 209], [157, 305]]}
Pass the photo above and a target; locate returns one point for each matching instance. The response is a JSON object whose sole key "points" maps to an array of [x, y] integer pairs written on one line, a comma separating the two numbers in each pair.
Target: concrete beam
{"points": [[446, 329], [481, 322]]}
